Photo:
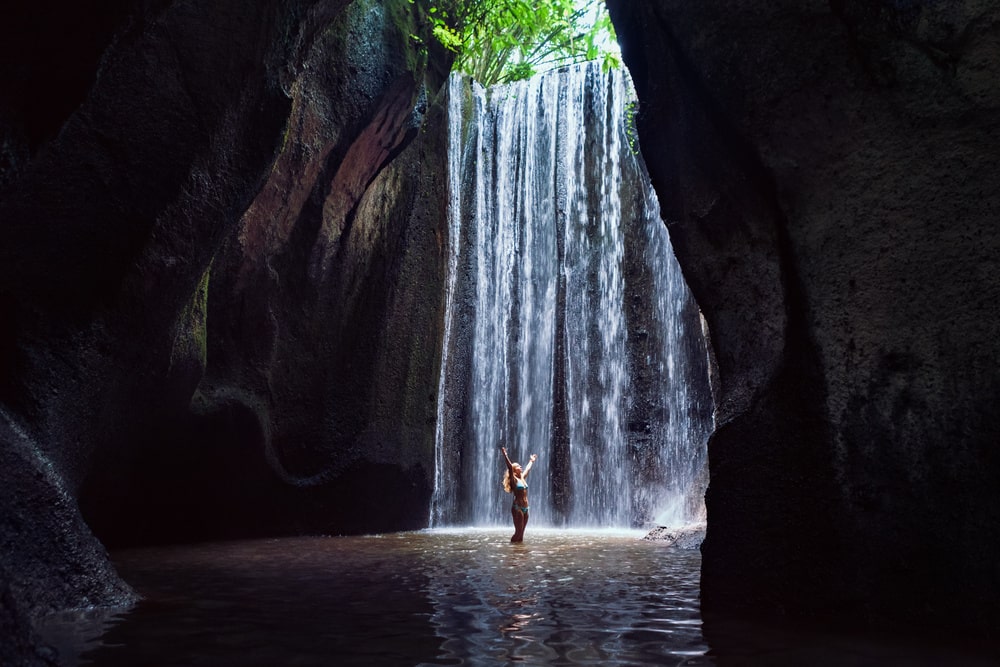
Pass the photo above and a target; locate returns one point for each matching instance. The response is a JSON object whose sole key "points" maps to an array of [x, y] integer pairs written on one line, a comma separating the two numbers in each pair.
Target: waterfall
{"points": [[444, 492], [568, 328]]}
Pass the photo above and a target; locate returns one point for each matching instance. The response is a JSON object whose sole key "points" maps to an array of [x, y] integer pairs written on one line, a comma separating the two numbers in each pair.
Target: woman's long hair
{"points": [[506, 480]]}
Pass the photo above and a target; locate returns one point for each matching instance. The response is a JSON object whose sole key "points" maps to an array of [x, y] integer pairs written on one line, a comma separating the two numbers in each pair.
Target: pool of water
{"points": [[464, 597]]}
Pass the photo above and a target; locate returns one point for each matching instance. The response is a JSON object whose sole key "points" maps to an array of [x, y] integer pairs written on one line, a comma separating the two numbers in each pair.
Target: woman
{"points": [[514, 482]]}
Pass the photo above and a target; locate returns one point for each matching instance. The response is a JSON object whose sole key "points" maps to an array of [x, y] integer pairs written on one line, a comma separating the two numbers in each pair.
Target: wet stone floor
{"points": [[462, 597]]}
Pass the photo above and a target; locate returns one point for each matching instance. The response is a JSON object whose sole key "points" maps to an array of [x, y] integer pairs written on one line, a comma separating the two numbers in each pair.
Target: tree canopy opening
{"points": [[499, 41]]}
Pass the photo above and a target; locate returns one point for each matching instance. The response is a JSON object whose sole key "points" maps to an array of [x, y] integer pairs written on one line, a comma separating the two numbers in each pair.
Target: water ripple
{"points": [[438, 598]]}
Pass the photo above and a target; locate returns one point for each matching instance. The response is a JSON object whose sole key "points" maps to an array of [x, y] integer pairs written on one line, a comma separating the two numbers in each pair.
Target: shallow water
{"points": [[464, 597]]}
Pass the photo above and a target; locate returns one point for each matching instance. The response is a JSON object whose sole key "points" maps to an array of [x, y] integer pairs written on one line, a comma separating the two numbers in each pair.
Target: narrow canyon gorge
{"points": [[224, 256]]}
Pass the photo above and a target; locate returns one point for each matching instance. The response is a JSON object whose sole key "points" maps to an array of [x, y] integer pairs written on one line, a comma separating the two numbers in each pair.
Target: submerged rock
{"points": [[687, 537]]}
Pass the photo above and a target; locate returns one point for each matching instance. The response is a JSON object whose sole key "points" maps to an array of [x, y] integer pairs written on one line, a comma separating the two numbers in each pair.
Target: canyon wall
{"points": [[830, 177], [222, 244], [221, 249]]}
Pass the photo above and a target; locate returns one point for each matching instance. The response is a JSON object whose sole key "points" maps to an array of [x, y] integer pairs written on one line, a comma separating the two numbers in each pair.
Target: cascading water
{"points": [[568, 326], [679, 400]]}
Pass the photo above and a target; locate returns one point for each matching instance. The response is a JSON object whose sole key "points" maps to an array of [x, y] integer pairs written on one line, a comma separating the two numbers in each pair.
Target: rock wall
{"points": [[220, 258], [306, 348], [829, 175]]}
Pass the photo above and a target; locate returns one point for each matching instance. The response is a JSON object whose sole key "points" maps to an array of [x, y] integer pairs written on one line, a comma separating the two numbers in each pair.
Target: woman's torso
{"points": [[520, 490]]}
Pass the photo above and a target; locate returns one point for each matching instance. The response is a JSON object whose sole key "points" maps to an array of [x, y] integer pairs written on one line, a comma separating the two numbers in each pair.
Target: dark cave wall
{"points": [[218, 257], [308, 361], [829, 176]]}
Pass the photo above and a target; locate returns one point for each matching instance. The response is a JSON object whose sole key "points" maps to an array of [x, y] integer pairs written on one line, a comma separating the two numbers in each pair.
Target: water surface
{"points": [[433, 597], [463, 597]]}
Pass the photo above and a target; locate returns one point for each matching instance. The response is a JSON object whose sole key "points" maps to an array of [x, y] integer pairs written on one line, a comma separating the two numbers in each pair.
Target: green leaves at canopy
{"points": [[498, 41]]}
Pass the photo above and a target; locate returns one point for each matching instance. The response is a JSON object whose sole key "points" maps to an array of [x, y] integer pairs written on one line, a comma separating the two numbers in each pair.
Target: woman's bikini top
{"points": [[518, 484]]}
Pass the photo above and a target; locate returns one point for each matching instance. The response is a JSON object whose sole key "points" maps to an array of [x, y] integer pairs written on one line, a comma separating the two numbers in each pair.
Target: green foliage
{"points": [[498, 41], [631, 132]]}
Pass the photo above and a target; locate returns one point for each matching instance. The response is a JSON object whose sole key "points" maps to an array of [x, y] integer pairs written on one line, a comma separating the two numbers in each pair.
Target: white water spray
{"points": [[537, 350]]}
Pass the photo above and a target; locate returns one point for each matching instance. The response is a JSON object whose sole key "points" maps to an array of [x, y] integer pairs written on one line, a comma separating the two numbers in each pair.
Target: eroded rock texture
{"points": [[830, 177], [305, 346], [220, 265]]}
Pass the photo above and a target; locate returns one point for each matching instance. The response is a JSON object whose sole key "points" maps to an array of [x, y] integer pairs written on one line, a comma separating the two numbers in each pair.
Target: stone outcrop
{"points": [[688, 537], [50, 560], [220, 258], [830, 177]]}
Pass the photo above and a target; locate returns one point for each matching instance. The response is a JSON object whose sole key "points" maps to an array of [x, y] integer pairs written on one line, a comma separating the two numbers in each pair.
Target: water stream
{"points": [[570, 332]]}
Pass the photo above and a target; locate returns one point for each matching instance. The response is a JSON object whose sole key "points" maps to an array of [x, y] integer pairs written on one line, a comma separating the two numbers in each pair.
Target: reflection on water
{"points": [[564, 599], [464, 597]]}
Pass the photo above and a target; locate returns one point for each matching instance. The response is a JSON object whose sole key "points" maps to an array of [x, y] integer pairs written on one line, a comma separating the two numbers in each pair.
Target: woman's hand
{"points": [[533, 457], [504, 450]]}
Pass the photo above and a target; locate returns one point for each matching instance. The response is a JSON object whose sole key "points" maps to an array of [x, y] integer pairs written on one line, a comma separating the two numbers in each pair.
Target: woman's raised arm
{"points": [[531, 462], [510, 466]]}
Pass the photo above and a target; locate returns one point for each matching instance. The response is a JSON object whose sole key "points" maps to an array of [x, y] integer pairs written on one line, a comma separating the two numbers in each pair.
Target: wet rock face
{"points": [[218, 303], [829, 176], [109, 204], [307, 355], [50, 560]]}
